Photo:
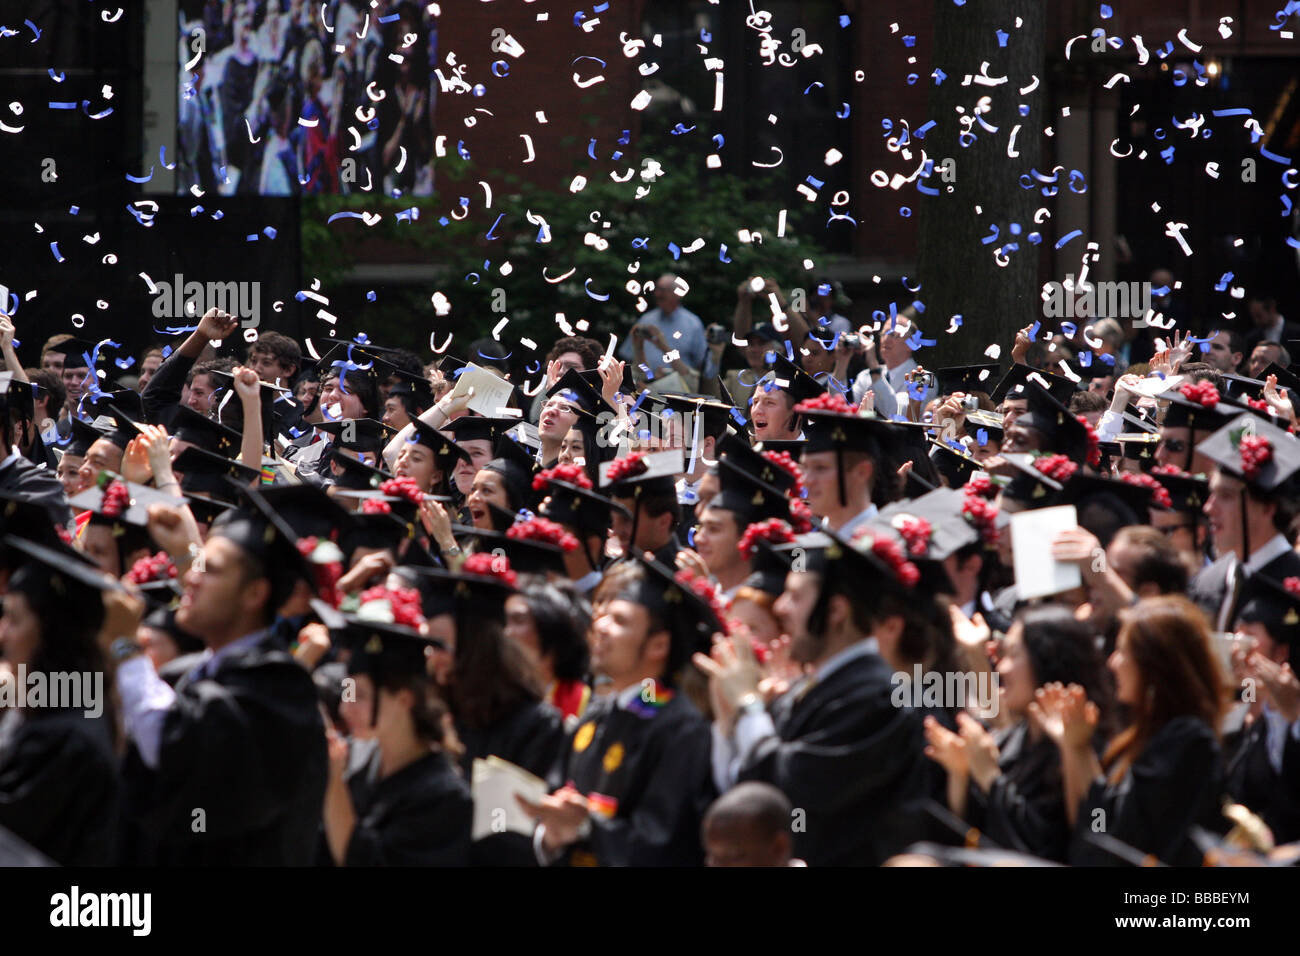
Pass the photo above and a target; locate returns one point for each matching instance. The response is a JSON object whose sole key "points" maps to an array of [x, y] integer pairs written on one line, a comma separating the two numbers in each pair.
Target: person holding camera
{"points": [[889, 375], [669, 328]]}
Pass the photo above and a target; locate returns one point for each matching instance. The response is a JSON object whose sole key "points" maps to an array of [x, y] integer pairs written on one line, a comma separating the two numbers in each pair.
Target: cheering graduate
{"points": [[232, 763], [635, 772]]}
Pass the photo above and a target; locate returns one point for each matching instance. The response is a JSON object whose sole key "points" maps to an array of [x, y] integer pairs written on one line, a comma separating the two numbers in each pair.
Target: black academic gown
{"points": [[1024, 809], [246, 746], [419, 816], [22, 479], [59, 788], [646, 767], [532, 738], [1209, 585], [852, 761], [165, 387], [1251, 780], [1173, 785]]}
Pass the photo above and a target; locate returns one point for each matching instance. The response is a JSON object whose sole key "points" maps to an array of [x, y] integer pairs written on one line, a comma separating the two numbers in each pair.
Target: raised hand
{"points": [[945, 748], [217, 325], [1065, 715], [981, 751]]}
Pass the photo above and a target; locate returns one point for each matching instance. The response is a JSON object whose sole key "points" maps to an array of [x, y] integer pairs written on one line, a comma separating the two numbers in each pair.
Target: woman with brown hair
{"points": [[1160, 775]]}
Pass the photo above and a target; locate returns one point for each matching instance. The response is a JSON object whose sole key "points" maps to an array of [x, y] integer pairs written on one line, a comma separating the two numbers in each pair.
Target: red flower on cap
{"points": [[886, 549], [801, 516], [1259, 405], [828, 402], [1094, 443], [629, 467], [404, 603], [569, 474], [490, 566], [115, 501], [983, 515], [1057, 467], [916, 534], [158, 567], [1167, 470], [707, 592], [982, 486], [376, 506], [1256, 452], [1202, 393], [1159, 493], [403, 488], [773, 531], [547, 532], [1292, 586]]}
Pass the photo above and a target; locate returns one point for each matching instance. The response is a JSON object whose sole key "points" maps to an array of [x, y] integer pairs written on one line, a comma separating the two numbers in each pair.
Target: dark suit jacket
{"points": [[1210, 585]]}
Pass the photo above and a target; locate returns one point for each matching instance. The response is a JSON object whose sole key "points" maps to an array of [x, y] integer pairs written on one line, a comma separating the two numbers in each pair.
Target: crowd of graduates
{"points": [[727, 615]]}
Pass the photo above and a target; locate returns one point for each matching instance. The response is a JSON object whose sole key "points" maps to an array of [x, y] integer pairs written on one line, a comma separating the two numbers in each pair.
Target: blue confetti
{"points": [[1106, 12], [1220, 286], [370, 296], [1002, 37], [1067, 237]]}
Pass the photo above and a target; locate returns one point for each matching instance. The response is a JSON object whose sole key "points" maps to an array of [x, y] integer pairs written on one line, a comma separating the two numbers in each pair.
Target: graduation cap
{"points": [[955, 465], [356, 474], [1121, 851], [1061, 429], [1190, 412], [64, 579], [794, 447], [692, 619], [21, 516], [875, 554], [585, 512], [644, 473], [581, 388], [206, 510], [202, 471], [967, 378], [379, 530], [990, 423], [307, 510], [713, 415], [18, 396], [933, 528], [480, 587], [1275, 606], [1083, 488], [415, 391], [358, 434], [1187, 493], [1285, 379], [187, 425], [516, 466], [747, 496], [754, 460], [1013, 384], [840, 432], [532, 547], [1029, 485], [76, 352], [261, 531], [115, 413], [477, 428], [1138, 446], [106, 503], [445, 451], [1224, 449], [790, 378], [1242, 385], [163, 618]]}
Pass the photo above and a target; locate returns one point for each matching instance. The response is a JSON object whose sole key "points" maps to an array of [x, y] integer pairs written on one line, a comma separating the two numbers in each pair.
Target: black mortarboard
{"points": [[692, 621], [1029, 485], [1138, 446], [277, 405], [1082, 488], [954, 464], [1238, 385], [205, 472], [123, 409], [374, 530], [76, 352], [463, 592], [714, 416], [527, 545], [136, 510], [844, 565], [1061, 429], [516, 464], [26, 519], [477, 428], [83, 436], [206, 510], [770, 567], [1018, 375], [790, 378], [990, 423], [1223, 448], [1271, 603], [581, 388], [306, 509], [445, 451], [748, 497], [949, 532], [1184, 412], [358, 434], [585, 511], [1285, 379], [1187, 493], [187, 425], [794, 447], [261, 532], [60, 570], [754, 460], [356, 474], [653, 473], [967, 378], [17, 396]]}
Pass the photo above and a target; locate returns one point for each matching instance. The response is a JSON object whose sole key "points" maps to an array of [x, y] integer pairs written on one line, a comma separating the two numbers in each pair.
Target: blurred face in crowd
{"points": [[480, 453], [357, 708], [102, 455], [1101, 385], [69, 474], [1263, 355], [148, 367], [97, 543], [1019, 440], [1173, 448], [1220, 354], [520, 626], [416, 461], [1262, 315], [1016, 681], [200, 394], [395, 414], [268, 367], [1277, 651], [487, 488], [819, 359], [441, 627], [894, 350], [666, 297], [573, 449], [717, 538], [1128, 680], [20, 630], [220, 593], [736, 841], [771, 415], [74, 381], [821, 478], [349, 404], [1011, 409], [569, 362], [760, 621], [305, 391], [52, 362], [556, 419], [755, 352], [1224, 509], [793, 609], [1178, 528], [621, 648]]}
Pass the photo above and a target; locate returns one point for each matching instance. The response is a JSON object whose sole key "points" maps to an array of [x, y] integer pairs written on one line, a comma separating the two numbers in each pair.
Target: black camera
{"points": [[716, 334]]}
